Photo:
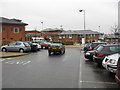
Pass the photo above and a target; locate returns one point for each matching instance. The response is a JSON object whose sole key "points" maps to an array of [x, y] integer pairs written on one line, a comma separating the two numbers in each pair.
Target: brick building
{"points": [[33, 33], [12, 29], [77, 35], [52, 34]]}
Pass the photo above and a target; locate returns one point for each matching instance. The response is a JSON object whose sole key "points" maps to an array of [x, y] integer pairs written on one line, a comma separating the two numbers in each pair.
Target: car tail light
{"points": [[100, 54], [25, 46], [59, 48], [48, 47]]}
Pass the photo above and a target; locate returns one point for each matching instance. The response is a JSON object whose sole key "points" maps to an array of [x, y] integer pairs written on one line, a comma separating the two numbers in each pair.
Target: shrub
{"points": [[4, 42]]}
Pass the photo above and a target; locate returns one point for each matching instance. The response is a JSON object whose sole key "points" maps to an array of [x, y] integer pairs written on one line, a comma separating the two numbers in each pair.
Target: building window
{"points": [[3, 29], [11, 38], [3, 38], [20, 29], [16, 30], [70, 36], [60, 37], [11, 29], [91, 35]]}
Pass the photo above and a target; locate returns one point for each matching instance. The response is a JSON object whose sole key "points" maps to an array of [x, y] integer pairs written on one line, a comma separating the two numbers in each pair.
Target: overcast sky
{"points": [[54, 13]]}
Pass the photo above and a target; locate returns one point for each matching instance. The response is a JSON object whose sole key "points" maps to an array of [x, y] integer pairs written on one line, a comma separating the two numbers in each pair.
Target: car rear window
{"points": [[115, 49], [26, 44]]}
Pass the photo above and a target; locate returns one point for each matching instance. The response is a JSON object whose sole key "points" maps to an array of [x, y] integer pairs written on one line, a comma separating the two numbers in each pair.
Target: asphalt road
{"points": [[39, 70]]}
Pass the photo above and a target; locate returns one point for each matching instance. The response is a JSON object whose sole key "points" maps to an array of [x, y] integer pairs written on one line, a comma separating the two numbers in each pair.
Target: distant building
{"points": [[77, 35], [32, 34], [112, 38], [12, 29], [51, 34]]}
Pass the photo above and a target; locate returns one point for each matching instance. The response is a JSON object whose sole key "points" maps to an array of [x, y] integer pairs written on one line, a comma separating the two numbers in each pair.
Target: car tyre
{"points": [[64, 52], [4, 49], [49, 53], [21, 50]]}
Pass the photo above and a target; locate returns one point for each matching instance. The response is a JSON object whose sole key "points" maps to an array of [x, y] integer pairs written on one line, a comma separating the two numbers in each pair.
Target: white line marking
{"points": [[98, 82], [26, 62]]}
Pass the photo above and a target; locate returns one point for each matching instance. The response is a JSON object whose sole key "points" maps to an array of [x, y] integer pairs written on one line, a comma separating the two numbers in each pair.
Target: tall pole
{"points": [[84, 24], [42, 25]]}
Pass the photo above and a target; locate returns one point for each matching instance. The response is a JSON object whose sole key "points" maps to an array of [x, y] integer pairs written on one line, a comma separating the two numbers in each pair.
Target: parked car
{"points": [[105, 50], [38, 45], [117, 76], [34, 47], [110, 62], [16, 46], [56, 48], [45, 45], [89, 54], [91, 46]]}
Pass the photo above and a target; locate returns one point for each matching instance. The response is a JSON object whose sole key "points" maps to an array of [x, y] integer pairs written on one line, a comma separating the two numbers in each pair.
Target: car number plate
{"points": [[53, 48]]}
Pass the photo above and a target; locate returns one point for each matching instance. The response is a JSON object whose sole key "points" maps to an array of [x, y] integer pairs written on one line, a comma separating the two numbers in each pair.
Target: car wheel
{"points": [[49, 53], [21, 50], [4, 49], [64, 52], [60, 52]]}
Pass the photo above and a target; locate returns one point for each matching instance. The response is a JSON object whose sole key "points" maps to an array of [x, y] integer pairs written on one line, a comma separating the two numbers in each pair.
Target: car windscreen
{"points": [[57, 46]]}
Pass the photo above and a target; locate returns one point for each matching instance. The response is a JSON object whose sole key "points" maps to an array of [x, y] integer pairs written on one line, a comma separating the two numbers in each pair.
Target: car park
{"points": [[110, 62], [56, 48], [105, 50], [117, 76], [16, 46], [45, 45]]}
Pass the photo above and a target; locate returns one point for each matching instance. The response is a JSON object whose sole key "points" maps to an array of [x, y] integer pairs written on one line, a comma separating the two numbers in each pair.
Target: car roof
{"points": [[111, 45], [57, 44], [99, 42]]}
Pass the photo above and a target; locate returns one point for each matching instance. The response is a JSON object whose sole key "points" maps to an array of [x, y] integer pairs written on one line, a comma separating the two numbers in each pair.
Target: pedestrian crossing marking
{"points": [[17, 62]]}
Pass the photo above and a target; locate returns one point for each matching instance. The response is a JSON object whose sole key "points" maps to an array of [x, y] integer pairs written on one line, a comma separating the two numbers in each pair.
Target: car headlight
{"points": [[112, 61]]}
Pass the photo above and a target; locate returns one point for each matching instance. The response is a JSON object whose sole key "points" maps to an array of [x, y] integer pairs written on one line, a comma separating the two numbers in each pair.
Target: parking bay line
{"points": [[97, 82]]}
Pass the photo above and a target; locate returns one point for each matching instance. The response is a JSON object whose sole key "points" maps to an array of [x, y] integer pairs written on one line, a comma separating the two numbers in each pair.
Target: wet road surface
{"points": [[70, 70]]}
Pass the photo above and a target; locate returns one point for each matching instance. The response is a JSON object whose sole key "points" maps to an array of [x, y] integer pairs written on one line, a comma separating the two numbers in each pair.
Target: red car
{"points": [[117, 76], [45, 45]]}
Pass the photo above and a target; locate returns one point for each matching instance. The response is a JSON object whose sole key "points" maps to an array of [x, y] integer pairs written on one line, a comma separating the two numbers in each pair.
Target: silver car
{"points": [[16, 46], [110, 62]]}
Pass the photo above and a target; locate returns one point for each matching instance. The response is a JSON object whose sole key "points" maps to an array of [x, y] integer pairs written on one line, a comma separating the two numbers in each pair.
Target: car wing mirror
{"points": [[8, 44]]}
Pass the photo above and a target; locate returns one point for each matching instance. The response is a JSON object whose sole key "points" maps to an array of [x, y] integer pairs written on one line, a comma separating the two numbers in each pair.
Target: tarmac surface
{"points": [[16, 54], [39, 70]]}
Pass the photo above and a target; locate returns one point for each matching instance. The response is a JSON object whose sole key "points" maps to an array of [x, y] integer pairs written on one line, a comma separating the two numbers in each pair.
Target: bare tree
{"points": [[114, 28]]}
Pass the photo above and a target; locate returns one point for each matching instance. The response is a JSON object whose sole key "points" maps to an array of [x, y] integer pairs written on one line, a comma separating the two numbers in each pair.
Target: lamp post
{"points": [[42, 25], [84, 24]]}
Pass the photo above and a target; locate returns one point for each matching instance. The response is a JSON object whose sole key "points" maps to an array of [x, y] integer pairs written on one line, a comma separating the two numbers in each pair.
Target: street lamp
{"points": [[42, 25], [84, 24]]}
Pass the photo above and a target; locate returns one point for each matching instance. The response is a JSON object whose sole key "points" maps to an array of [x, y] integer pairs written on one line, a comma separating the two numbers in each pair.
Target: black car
{"points": [[56, 48], [89, 54], [105, 50], [95, 44], [34, 47]]}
